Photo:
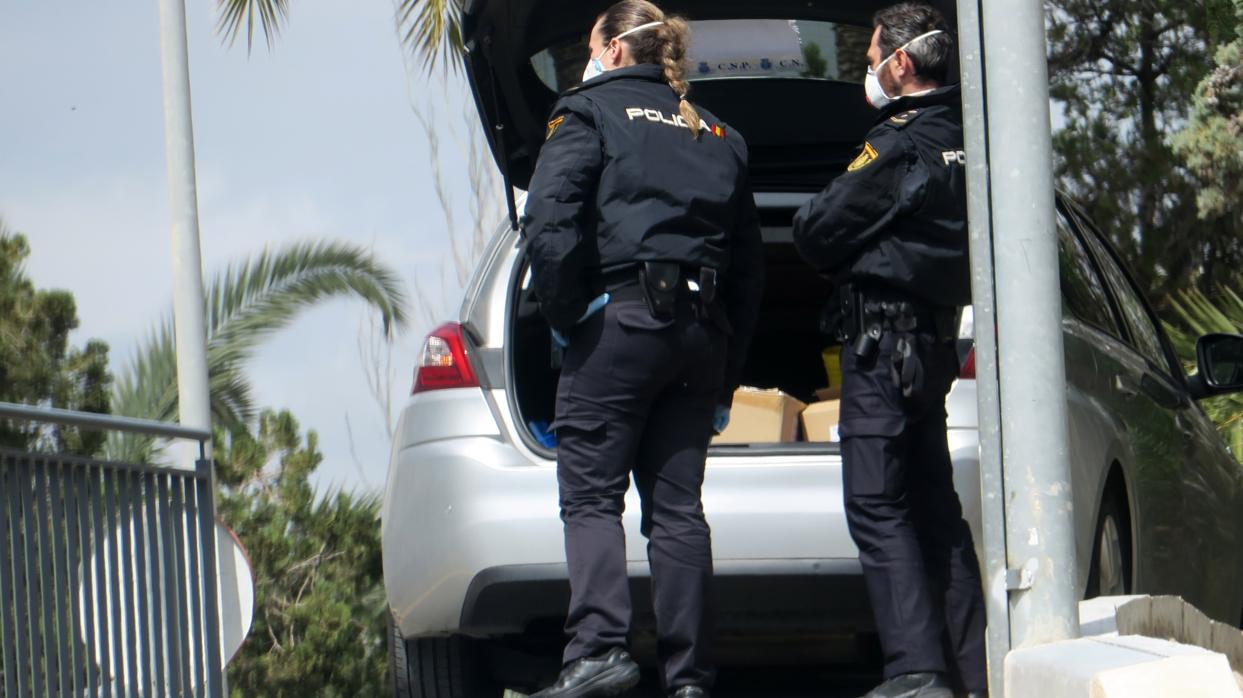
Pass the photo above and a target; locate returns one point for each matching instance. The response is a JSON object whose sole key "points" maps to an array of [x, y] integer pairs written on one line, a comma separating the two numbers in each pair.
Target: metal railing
{"points": [[108, 580]]}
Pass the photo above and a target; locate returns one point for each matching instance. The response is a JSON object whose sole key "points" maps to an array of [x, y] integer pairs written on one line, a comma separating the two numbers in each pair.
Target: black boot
{"points": [[923, 685], [610, 674], [689, 692]]}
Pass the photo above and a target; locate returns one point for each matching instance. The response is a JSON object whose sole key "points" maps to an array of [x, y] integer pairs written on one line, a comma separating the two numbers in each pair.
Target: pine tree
{"points": [[320, 609], [37, 364], [1121, 73], [1211, 144]]}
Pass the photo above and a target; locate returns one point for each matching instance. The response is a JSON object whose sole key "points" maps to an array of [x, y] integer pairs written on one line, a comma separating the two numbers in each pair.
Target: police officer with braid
{"points": [[647, 260], [891, 231]]}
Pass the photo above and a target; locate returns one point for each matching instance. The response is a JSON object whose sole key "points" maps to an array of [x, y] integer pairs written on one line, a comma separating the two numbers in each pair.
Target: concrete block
{"points": [[1197, 628], [1118, 667], [1228, 640], [1165, 620], [1099, 616], [1165, 617], [1133, 616]]}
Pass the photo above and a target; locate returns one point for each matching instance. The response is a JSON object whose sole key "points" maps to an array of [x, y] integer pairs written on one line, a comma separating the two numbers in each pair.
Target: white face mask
{"points": [[871, 84], [595, 68]]}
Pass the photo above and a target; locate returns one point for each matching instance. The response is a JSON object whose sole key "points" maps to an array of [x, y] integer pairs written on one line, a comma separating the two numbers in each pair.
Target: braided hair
{"points": [[664, 45]]}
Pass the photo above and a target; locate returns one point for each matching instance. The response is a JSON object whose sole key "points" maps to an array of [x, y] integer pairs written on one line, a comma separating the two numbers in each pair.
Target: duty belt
{"points": [[867, 316], [864, 316], [661, 284]]}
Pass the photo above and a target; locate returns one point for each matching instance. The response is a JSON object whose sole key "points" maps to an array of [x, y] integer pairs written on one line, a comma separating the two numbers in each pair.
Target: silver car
{"points": [[473, 560]]}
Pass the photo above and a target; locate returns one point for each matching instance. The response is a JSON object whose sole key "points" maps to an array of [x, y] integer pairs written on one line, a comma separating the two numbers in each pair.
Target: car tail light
{"points": [[967, 370], [443, 362]]}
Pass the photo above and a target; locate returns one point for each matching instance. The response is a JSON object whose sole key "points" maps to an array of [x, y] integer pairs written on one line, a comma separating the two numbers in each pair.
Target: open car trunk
{"points": [[786, 352], [786, 74]]}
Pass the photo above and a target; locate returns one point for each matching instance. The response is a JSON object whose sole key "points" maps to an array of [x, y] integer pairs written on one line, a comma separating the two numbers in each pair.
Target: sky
{"points": [[316, 138]]}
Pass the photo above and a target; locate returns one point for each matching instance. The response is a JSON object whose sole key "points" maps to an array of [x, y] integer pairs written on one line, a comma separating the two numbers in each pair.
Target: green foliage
{"points": [[37, 365], [246, 303], [817, 65], [1198, 315], [431, 29], [1121, 71], [320, 611], [1211, 144], [238, 15]]}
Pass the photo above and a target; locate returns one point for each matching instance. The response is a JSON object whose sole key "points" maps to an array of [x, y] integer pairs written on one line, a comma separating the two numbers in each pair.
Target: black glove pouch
{"points": [[660, 282], [907, 369]]}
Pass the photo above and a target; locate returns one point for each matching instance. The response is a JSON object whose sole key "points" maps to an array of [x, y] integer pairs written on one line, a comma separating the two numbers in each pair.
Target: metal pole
{"points": [[980, 231], [213, 623], [1040, 539], [102, 422], [189, 322], [194, 402]]}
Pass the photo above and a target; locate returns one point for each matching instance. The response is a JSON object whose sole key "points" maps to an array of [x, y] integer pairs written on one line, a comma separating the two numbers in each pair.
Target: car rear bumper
{"points": [[473, 543], [782, 597]]}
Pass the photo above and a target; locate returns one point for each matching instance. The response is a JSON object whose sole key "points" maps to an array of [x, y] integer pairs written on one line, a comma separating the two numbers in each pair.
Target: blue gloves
{"points": [[543, 433], [596, 306], [592, 308], [720, 419]]}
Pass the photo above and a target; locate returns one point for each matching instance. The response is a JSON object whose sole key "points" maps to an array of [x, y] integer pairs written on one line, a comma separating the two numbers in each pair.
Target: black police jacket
{"points": [[897, 218], [621, 180]]}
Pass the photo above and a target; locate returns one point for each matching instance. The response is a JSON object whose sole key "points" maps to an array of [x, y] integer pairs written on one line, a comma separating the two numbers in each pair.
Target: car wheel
{"points": [[441, 667], [1110, 571], [398, 668]]}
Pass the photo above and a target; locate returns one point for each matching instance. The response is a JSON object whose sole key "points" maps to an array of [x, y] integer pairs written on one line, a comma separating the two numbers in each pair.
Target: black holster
{"points": [[710, 306], [855, 321], [836, 319]]}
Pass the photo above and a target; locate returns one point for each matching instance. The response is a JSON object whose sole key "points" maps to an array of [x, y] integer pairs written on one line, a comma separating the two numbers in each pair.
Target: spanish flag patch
{"points": [[865, 158], [553, 126], [718, 130]]}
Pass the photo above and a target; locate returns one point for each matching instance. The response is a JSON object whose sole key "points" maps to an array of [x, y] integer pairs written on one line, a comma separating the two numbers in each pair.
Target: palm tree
{"points": [[246, 303], [1199, 316], [432, 29]]}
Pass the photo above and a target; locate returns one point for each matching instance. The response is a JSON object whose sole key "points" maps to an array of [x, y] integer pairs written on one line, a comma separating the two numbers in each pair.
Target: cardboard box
{"points": [[820, 421], [824, 394], [763, 417]]}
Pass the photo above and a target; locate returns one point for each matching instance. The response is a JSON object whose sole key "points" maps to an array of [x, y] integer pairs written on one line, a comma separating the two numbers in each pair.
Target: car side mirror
{"points": [[1219, 360]]}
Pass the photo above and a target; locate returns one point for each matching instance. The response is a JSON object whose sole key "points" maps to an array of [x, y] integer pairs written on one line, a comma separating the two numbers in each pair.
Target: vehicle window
{"points": [[740, 48], [1145, 336], [1083, 294]]}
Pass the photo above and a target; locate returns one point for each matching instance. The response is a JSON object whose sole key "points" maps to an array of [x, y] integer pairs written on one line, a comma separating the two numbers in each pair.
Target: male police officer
{"points": [[891, 231]]}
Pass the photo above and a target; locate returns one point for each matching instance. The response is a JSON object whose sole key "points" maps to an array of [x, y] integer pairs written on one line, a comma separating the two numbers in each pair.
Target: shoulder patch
{"points": [[718, 130], [903, 118], [865, 158], [553, 126]]}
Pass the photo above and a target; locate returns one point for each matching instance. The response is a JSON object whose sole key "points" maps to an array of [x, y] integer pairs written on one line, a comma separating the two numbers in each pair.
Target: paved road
{"points": [[780, 683], [775, 683]]}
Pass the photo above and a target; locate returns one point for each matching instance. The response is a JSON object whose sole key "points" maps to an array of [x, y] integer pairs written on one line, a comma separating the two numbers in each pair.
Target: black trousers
{"points": [[918, 560], [637, 395]]}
